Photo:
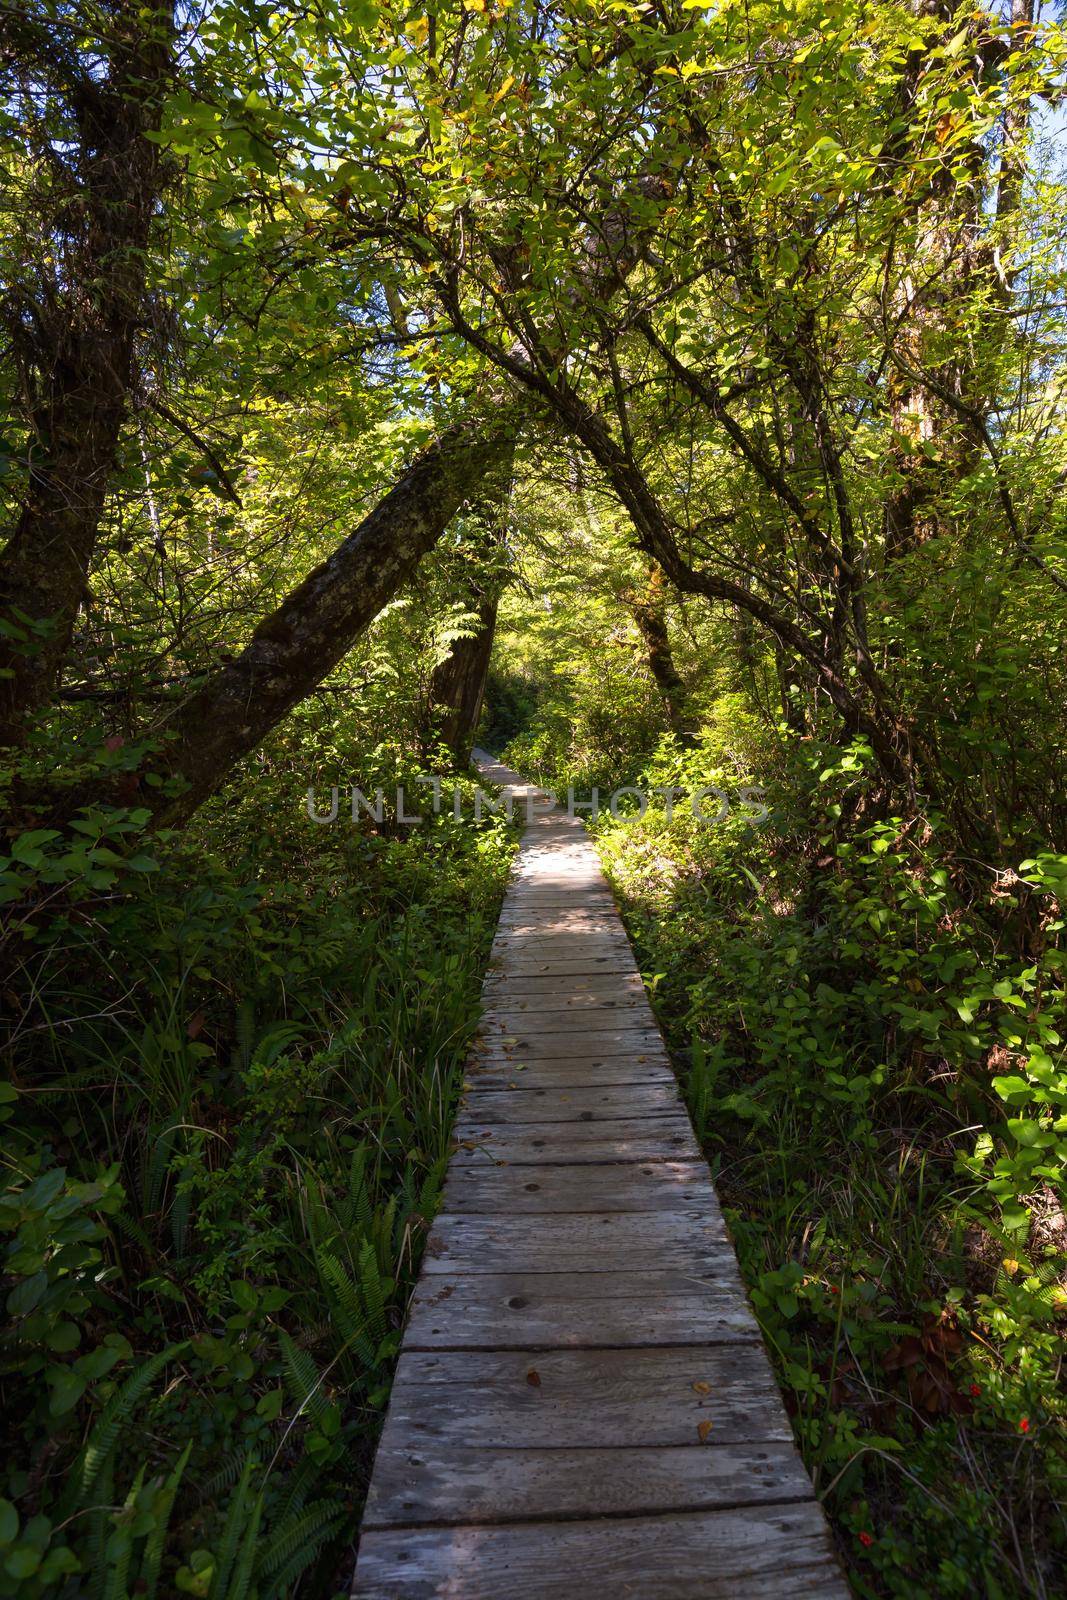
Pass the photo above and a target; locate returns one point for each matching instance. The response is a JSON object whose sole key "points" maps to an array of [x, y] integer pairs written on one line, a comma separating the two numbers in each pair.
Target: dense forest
{"points": [[664, 395]]}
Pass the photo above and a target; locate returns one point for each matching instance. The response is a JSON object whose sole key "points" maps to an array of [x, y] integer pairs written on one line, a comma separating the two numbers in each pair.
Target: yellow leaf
{"points": [[703, 1430]]}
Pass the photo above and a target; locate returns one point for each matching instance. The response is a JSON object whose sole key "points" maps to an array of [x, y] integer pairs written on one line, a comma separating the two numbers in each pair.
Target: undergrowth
{"points": [[232, 1072], [870, 1039]]}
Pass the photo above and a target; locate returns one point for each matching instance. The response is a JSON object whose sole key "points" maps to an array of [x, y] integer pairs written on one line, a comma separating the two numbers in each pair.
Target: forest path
{"points": [[582, 1406]]}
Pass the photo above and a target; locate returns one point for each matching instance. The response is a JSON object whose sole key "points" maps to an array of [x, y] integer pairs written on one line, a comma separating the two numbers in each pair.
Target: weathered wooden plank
{"points": [[547, 891], [615, 1398], [527, 925], [522, 1044], [515, 1108], [538, 1143], [608, 1241], [603, 938], [432, 1484], [500, 1072], [624, 1141], [564, 999], [597, 1014], [544, 987], [559, 1103], [547, 955], [580, 1310], [749, 1553], [627, 1186], [517, 964]]}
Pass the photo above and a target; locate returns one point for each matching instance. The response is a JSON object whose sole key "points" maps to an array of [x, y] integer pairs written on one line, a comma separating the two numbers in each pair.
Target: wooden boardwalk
{"points": [[582, 1407]]}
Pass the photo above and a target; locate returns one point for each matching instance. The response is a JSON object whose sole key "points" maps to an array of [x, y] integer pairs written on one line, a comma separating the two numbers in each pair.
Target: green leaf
{"points": [[9, 1522], [67, 1389], [25, 1295]]}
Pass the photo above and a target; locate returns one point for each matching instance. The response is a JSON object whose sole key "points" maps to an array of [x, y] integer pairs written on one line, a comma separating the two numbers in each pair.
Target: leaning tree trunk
{"points": [[73, 318], [292, 650], [457, 687]]}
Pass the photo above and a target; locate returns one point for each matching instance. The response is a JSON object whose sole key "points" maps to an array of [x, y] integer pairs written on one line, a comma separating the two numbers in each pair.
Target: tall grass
{"points": [[229, 1109]]}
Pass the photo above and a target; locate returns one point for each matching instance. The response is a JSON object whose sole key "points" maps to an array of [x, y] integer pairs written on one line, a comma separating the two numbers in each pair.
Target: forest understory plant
{"points": [[877, 1072], [218, 1176]]}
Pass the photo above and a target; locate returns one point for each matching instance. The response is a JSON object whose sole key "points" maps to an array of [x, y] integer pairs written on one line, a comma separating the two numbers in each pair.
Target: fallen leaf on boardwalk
{"points": [[533, 1378], [703, 1430], [701, 1387]]}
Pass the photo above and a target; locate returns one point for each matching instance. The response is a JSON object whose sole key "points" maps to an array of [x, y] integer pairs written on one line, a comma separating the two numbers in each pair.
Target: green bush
{"points": [[871, 1040]]}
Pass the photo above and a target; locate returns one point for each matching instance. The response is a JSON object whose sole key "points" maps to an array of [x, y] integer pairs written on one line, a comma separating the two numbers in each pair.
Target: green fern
{"points": [[246, 1560], [231, 1532], [303, 1380], [100, 1528], [155, 1544], [119, 1549], [362, 1214], [225, 1476], [374, 1289], [298, 1537], [299, 1484], [101, 1441], [347, 1307], [286, 1578]]}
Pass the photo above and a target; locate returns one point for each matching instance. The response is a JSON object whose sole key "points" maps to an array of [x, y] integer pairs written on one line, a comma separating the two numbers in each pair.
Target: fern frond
{"points": [[303, 1379], [119, 1547], [231, 1532], [303, 1533], [374, 1291], [297, 1488], [152, 1561], [101, 1441], [284, 1580], [225, 1476], [242, 1577], [346, 1305], [99, 1527]]}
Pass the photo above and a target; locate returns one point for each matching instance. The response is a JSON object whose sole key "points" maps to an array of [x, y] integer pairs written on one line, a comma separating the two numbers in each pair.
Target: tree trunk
{"points": [[649, 611], [457, 688], [292, 650], [73, 322]]}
